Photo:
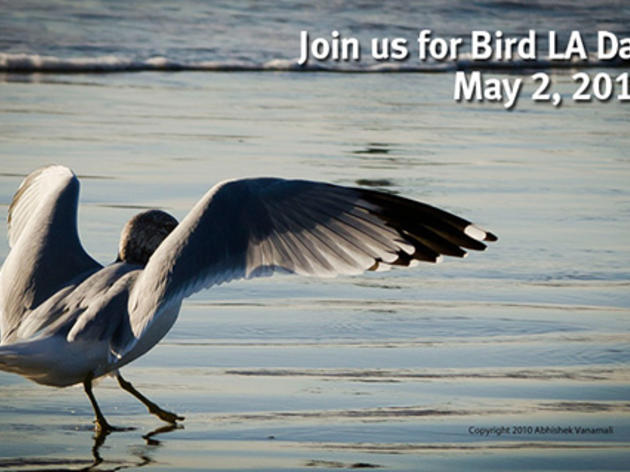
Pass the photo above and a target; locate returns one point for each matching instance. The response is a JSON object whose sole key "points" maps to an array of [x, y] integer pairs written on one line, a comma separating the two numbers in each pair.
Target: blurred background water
{"points": [[401, 370], [264, 34]]}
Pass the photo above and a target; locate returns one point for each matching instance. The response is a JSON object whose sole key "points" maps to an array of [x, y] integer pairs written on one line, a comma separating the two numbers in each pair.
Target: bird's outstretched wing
{"points": [[253, 227], [46, 253]]}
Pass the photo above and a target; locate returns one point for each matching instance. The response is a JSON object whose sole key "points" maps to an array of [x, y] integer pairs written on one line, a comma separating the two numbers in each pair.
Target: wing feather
{"points": [[253, 227], [46, 253]]}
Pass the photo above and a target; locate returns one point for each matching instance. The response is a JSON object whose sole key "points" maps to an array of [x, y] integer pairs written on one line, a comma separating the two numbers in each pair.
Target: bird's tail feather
{"points": [[11, 359], [39, 361]]}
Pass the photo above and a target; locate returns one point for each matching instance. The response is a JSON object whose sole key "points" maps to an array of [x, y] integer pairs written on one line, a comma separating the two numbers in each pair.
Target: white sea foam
{"points": [[34, 63]]}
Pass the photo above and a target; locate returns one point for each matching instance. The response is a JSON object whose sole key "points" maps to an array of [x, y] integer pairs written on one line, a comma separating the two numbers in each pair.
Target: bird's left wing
{"points": [[253, 227], [46, 253]]}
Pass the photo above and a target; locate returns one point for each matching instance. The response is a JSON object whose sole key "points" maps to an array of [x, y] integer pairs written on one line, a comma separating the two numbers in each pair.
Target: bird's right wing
{"points": [[252, 227], [46, 254]]}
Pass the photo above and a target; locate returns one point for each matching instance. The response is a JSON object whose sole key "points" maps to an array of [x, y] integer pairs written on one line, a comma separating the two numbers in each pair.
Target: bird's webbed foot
{"points": [[165, 415]]}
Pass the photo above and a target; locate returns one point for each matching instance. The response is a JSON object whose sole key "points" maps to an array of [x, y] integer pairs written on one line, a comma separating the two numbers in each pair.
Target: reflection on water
{"points": [[98, 462], [374, 148], [374, 183]]}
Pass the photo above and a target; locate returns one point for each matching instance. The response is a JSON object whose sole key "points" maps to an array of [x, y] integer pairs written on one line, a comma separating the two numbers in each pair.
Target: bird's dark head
{"points": [[142, 235]]}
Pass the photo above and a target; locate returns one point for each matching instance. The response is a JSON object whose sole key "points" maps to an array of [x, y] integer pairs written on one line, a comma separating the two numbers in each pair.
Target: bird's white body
{"points": [[67, 353]]}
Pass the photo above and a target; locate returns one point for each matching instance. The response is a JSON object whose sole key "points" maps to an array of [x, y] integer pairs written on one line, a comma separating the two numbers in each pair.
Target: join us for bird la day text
{"points": [[491, 46]]}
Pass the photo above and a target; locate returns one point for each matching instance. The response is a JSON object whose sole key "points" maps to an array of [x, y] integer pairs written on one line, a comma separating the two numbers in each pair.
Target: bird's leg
{"points": [[101, 425], [152, 407]]}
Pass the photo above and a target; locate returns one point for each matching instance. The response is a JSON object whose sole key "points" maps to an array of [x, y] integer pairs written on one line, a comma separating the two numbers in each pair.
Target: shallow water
{"points": [[401, 370], [116, 35]]}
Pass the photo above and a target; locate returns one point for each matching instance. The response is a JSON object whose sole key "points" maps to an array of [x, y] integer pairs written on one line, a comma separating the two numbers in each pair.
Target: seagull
{"points": [[65, 319]]}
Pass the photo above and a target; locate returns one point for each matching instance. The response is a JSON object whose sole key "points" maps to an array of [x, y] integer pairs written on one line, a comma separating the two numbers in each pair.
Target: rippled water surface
{"points": [[403, 370]]}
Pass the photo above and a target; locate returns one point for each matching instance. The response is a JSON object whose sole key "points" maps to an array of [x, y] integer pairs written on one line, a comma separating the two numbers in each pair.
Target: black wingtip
{"points": [[490, 237]]}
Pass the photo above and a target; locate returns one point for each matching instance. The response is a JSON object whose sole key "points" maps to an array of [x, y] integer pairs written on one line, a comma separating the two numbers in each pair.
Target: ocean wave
{"points": [[35, 63]]}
